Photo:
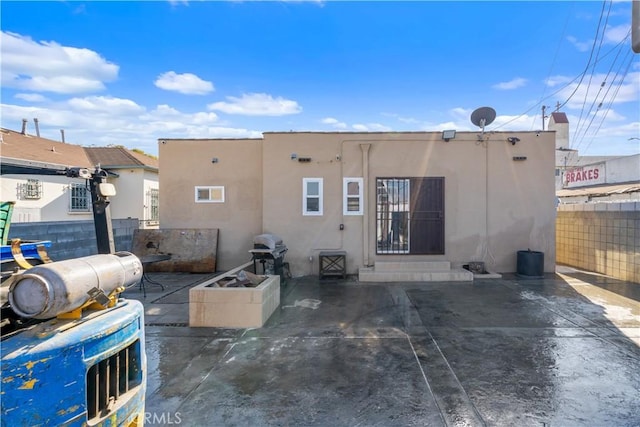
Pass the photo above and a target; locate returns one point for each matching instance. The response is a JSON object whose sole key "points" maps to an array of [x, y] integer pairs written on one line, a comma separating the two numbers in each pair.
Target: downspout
{"points": [[365, 202]]}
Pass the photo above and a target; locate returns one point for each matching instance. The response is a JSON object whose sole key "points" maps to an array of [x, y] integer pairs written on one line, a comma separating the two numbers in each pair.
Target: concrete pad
{"points": [[503, 352]]}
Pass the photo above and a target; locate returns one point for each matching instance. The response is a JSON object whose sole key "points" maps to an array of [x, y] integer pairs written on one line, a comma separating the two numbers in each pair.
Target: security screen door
{"points": [[410, 216]]}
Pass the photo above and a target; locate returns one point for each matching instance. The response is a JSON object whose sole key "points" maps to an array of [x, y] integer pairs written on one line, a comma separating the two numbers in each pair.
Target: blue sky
{"points": [[129, 73]]}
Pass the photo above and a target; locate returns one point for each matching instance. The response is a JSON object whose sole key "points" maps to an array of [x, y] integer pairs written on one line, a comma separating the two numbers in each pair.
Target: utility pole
{"points": [[544, 107], [635, 26]]}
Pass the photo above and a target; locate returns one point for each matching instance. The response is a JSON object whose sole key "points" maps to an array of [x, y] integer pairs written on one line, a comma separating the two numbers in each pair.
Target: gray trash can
{"points": [[530, 264]]}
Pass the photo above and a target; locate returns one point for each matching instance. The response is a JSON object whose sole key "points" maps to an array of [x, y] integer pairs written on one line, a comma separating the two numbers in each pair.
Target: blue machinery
{"points": [[73, 351]]}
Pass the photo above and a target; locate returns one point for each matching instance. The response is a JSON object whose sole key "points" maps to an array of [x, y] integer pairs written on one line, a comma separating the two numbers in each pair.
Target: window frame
{"points": [[346, 196], [306, 196], [153, 205], [87, 196], [210, 188]]}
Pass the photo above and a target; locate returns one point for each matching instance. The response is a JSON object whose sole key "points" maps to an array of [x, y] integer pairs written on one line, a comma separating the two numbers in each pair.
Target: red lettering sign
{"points": [[586, 175]]}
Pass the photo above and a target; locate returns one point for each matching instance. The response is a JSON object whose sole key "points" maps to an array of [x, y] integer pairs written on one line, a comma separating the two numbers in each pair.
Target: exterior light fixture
{"points": [[513, 140], [294, 156], [214, 160], [448, 134]]}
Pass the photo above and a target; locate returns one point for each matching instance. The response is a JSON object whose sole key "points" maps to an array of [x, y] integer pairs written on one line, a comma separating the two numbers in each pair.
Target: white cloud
{"points": [[101, 121], [512, 84], [257, 104], [371, 127], [581, 46], [105, 104], [187, 83], [334, 122], [626, 92], [557, 80], [31, 97], [50, 67], [615, 34]]}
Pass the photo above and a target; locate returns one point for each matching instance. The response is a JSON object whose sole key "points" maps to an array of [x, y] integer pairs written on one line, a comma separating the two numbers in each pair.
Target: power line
{"points": [[584, 132], [590, 56], [626, 71], [593, 69]]}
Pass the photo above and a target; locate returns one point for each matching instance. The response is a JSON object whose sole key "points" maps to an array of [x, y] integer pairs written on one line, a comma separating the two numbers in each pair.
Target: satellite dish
{"points": [[482, 117]]}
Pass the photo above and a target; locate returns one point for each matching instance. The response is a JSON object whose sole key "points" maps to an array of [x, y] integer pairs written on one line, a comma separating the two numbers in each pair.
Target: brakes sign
{"points": [[586, 175]]}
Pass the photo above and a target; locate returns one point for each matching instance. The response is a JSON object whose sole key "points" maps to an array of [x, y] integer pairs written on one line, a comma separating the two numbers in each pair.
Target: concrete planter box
{"points": [[233, 307]]}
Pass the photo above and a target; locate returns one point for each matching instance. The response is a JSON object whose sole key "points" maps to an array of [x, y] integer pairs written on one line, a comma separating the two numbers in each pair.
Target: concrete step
{"points": [[369, 274], [413, 266]]}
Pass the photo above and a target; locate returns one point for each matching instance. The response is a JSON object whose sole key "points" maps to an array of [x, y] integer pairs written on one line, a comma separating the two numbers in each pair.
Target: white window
{"points": [[210, 194], [312, 196], [79, 198], [352, 196], [152, 206]]}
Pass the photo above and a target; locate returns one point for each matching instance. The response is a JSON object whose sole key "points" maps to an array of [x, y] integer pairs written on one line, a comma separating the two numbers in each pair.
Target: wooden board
{"points": [[191, 250]]}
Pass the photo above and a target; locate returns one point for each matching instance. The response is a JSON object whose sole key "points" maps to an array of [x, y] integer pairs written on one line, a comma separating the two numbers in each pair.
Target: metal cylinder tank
{"points": [[44, 291]]}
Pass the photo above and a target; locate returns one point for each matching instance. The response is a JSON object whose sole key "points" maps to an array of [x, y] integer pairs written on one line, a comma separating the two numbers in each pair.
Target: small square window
{"points": [[210, 194]]}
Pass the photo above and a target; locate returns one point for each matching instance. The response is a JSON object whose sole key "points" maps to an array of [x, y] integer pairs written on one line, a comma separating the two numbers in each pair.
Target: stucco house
{"points": [[33, 175], [387, 199], [136, 182]]}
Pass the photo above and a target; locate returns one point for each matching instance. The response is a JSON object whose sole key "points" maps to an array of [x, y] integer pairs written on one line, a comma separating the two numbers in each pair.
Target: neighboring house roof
{"points": [[24, 153], [559, 117], [29, 152], [120, 157]]}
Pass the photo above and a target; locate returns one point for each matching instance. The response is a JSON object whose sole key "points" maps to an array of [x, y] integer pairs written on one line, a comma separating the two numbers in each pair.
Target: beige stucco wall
{"points": [[490, 212], [185, 164], [494, 206]]}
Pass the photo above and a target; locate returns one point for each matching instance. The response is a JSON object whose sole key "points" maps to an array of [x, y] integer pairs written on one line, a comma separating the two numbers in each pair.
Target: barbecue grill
{"points": [[269, 250]]}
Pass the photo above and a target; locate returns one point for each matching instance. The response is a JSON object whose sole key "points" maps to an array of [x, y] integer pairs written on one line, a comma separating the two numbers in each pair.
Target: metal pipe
{"points": [[62, 134], [35, 121], [47, 290], [24, 126]]}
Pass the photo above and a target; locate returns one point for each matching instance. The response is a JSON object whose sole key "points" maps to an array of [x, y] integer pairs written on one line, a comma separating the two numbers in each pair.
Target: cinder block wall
{"points": [[73, 239], [600, 237]]}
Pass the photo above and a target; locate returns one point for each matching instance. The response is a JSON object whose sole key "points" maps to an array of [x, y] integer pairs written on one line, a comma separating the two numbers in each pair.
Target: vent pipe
{"points": [[62, 134], [24, 126], [35, 121]]}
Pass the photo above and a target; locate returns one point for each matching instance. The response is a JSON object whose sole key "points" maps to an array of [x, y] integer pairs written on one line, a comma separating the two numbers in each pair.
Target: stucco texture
{"points": [[494, 205]]}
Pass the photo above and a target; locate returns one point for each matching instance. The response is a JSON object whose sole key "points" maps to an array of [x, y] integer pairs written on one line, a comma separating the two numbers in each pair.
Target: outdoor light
{"points": [[448, 134], [294, 156], [513, 140], [214, 160]]}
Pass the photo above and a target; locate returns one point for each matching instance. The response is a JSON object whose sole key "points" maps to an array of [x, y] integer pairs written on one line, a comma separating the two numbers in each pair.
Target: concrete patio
{"points": [[559, 351]]}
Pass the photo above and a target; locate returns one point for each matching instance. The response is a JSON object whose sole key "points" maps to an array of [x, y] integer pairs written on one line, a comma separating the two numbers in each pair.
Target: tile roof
{"points": [[559, 117], [16, 145], [112, 157], [31, 148]]}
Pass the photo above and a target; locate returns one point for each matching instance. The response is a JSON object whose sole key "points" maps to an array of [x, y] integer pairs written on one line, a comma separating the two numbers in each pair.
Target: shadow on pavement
{"points": [[559, 351]]}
